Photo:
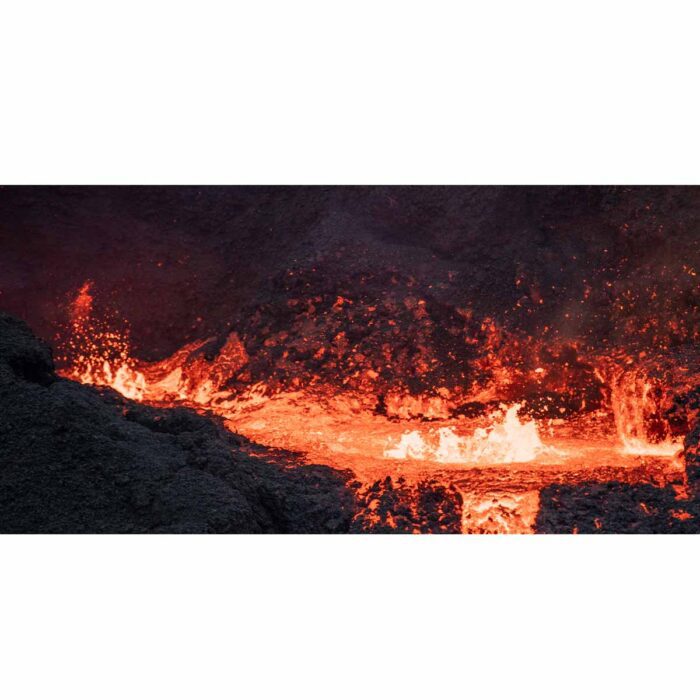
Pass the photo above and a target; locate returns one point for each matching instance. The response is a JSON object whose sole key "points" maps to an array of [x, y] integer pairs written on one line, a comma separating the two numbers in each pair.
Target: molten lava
{"points": [[635, 408], [100, 354], [497, 457], [506, 440]]}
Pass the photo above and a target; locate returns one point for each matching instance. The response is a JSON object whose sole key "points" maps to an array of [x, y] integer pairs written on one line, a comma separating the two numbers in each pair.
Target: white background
{"points": [[361, 92]]}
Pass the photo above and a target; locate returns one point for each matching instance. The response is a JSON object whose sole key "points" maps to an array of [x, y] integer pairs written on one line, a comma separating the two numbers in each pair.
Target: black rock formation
{"points": [[75, 459]]}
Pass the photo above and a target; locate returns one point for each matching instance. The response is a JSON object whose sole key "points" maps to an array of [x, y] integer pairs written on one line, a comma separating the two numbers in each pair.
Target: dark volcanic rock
{"points": [[615, 507], [77, 459], [619, 508], [22, 356]]}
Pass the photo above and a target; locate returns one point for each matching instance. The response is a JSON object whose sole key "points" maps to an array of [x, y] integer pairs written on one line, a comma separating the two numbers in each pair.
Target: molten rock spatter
{"points": [[505, 441], [654, 397], [199, 373], [636, 406], [97, 350]]}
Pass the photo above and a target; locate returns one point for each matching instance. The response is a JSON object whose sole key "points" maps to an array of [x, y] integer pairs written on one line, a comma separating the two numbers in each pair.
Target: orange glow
{"points": [[498, 460], [633, 403], [504, 441], [100, 354]]}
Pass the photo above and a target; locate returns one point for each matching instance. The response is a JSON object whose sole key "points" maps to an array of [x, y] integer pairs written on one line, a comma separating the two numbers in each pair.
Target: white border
{"points": [[348, 617], [313, 92]]}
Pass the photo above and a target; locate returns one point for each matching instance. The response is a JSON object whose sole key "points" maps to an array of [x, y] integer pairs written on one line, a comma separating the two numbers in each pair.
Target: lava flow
{"points": [[498, 455]]}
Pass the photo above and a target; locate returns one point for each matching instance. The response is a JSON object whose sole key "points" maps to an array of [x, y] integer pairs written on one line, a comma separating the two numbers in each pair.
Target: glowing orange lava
{"points": [[498, 461]]}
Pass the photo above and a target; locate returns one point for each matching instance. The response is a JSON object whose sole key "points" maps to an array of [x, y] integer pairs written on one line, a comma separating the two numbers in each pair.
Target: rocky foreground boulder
{"points": [[76, 458]]}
